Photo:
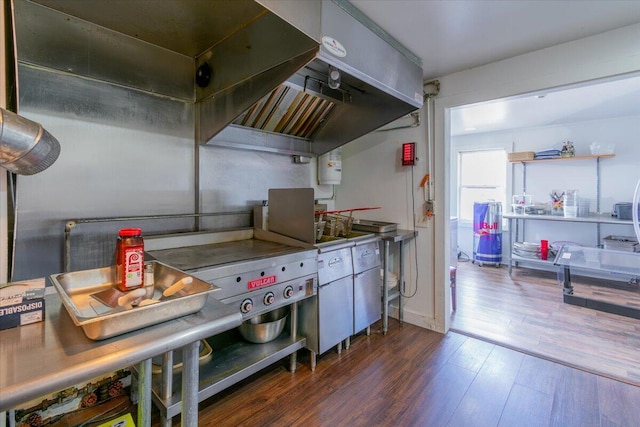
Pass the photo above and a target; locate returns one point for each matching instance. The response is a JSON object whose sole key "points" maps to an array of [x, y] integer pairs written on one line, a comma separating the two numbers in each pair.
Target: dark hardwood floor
{"points": [[416, 377], [526, 312]]}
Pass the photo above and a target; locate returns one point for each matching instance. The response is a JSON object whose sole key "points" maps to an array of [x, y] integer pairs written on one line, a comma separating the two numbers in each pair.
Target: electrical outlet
{"points": [[428, 208]]}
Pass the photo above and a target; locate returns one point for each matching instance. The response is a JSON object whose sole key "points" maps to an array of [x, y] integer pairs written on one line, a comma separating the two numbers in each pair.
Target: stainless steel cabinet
{"points": [[367, 283], [335, 312], [327, 319], [367, 294], [398, 238]]}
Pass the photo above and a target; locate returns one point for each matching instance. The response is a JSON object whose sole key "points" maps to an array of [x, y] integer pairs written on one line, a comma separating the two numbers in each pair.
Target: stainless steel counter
{"points": [[49, 356], [399, 237], [518, 220]]}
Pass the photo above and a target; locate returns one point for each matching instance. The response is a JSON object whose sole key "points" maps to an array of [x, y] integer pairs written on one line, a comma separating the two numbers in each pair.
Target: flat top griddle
{"points": [[217, 254]]}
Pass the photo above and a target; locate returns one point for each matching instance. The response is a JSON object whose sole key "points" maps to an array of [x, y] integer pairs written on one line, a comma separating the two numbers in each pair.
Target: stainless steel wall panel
{"points": [[123, 153], [238, 179], [73, 97]]}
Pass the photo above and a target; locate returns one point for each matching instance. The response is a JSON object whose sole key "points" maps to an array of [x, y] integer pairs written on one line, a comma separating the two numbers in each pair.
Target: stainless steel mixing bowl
{"points": [[264, 327]]}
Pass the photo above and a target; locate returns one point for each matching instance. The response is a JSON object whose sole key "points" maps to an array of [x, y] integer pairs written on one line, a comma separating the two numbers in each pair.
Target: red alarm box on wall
{"points": [[409, 154]]}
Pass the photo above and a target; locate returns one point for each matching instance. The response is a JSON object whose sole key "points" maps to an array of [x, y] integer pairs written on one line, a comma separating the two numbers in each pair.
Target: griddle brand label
{"points": [[261, 282]]}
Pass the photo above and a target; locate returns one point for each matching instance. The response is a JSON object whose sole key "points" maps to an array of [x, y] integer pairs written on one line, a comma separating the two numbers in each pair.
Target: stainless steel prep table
{"points": [[49, 356], [514, 227], [398, 236]]}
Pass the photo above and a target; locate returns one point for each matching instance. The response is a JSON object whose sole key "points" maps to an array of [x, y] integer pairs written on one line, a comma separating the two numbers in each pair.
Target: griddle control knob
{"points": [[269, 298], [288, 292], [246, 305]]}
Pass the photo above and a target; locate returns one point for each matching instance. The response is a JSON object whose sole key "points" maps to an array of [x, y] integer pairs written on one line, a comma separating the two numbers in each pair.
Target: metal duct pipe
{"points": [[26, 148]]}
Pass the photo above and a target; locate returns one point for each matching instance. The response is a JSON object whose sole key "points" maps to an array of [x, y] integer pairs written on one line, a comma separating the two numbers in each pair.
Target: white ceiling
{"points": [[608, 99], [454, 35]]}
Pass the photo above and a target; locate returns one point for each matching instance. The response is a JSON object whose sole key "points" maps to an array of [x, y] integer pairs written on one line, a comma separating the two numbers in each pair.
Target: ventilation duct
{"points": [[26, 148]]}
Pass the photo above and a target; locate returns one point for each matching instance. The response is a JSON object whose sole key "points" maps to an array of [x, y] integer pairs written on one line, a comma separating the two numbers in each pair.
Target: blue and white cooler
{"points": [[487, 233]]}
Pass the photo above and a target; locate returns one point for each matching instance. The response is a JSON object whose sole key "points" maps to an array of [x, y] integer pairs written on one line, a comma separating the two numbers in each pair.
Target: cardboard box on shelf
{"points": [[21, 303], [521, 156]]}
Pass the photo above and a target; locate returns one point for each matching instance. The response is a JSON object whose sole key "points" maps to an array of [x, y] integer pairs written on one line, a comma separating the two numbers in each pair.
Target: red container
{"points": [[129, 259], [544, 249]]}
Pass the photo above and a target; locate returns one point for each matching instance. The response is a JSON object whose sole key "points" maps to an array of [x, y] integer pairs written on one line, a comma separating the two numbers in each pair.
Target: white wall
{"points": [[372, 175], [613, 53]]}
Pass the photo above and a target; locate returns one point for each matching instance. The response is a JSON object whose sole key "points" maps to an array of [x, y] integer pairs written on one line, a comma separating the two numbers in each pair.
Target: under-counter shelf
{"points": [[518, 258], [513, 230], [233, 360], [393, 294]]}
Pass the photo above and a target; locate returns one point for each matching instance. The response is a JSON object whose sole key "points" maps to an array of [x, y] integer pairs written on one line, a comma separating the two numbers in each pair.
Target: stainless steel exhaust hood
{"points": [[229, 58], [163, 46], [380, 81]]}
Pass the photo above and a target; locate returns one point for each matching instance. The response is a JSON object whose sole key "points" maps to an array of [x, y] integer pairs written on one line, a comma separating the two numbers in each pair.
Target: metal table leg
{"points": [[144, 393], [312, 361], [510, 245], [400, 281], [167, 384], [566, 281], [293, 358], [385, 289], [190, 374]]}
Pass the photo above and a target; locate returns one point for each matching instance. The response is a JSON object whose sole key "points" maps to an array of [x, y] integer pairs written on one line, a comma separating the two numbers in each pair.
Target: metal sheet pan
{"points": [[374, 226], [99, 321]]}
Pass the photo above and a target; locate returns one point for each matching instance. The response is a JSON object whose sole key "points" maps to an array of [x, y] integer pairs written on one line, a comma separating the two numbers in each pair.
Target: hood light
{"points": [[334, 78]]}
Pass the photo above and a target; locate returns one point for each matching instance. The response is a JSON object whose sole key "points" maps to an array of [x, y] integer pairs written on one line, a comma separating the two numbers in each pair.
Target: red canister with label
{"points": [[544, 249], [129, 259]]}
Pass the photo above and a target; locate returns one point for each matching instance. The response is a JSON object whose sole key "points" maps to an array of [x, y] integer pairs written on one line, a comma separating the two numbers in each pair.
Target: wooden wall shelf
{"points": [[597, 156]]}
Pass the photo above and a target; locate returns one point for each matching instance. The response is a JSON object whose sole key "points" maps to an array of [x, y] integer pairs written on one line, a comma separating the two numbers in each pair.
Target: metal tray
{"points": [[99, 321], [374, 226]]}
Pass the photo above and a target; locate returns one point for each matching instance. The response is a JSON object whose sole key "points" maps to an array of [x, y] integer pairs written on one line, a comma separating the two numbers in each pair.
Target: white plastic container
{"points": [[330, 167], [570, 203]]}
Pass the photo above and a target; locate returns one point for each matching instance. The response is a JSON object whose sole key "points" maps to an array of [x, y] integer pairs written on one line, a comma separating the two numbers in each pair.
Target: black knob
{"points": [[246, 306], [288, 292], [269, 298]]}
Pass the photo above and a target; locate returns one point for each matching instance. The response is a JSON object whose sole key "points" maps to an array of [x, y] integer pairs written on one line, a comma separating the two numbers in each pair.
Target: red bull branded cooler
{"points": [[487, 233]]}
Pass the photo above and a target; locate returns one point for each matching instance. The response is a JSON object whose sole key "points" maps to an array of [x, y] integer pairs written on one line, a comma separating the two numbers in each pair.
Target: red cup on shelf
{"points": [[544, 249]]}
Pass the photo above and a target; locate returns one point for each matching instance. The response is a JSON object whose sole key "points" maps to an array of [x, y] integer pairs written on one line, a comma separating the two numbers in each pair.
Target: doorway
{"points": [[525, 310]]}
